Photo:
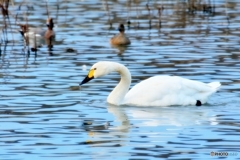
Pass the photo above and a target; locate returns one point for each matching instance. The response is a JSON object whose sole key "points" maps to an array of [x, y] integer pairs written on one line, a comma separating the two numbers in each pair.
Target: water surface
{"points": [[45, 116]]}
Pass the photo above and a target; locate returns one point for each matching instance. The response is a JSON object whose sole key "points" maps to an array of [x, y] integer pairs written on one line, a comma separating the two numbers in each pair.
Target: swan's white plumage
{"points": [[155, 91], [168, 90]]}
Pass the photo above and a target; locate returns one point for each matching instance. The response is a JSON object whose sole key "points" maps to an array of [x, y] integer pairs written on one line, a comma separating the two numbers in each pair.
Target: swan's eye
{"points": [[95, 68]]}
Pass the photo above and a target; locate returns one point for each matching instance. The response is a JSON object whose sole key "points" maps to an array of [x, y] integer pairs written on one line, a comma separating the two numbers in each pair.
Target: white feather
{"points": [[155, 91], [168, 90]]}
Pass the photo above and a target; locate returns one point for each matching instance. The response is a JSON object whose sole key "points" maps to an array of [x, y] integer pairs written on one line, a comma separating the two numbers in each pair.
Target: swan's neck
{"points": [[117, 95]]}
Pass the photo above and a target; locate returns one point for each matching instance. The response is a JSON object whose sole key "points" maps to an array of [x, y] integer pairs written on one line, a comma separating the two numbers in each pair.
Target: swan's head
{"points": [[99, 69]]}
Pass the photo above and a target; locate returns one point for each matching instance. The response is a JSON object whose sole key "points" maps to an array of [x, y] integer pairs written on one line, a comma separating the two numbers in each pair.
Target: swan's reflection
{"points": [[120, 124], [161, 116], [120, 116], [160, 124], [127, 117]]}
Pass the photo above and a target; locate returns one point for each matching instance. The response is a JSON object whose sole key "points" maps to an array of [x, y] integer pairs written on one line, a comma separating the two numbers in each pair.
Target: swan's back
{"points": [[169, 90]]}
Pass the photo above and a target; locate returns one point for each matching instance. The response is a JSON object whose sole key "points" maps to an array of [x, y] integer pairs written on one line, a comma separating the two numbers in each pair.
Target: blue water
{"points": [[45, 115]]}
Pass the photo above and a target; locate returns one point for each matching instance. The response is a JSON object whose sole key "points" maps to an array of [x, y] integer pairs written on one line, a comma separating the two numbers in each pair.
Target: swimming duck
{"points": [[49, 33], [121, 38], [37, 37], [31, 32], [161, 90]]}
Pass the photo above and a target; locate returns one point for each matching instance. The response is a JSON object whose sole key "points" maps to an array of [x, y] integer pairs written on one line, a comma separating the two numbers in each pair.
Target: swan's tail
{"points": [[214, 85]]}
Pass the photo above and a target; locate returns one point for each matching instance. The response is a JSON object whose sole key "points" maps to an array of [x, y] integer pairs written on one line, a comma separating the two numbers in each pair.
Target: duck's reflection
{"points": [[49, 42], [120, 48], [32, 45], [35, 38]]}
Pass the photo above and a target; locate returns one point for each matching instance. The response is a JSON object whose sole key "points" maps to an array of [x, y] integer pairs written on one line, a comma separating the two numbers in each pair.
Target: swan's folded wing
{"points": [[197, 86], [168, 90], [153, 89]]}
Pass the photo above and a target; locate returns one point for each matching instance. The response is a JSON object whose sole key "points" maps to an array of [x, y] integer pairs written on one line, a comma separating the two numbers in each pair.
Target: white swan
{"points": [[154, 91]]}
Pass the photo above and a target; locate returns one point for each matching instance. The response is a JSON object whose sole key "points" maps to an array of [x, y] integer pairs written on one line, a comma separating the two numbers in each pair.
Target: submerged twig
{"points": [[160, 10], [47, 8], [149, 16], [128, 12], [106, 8]]}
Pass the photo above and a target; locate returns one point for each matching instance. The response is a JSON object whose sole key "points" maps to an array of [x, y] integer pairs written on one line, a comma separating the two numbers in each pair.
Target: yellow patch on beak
{"points": [[91, 73]]}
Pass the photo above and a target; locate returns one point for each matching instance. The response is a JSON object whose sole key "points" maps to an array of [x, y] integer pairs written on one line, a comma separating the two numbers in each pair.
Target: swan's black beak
{"points": [[86, 79], [89, 77]]}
